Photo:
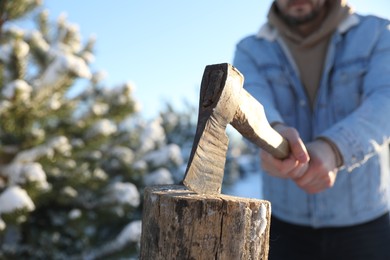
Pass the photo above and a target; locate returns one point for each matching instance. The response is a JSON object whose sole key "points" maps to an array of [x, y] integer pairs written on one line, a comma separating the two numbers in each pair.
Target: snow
{"points": [[124, 193], [129, 87], [100, 109], [55, 101], [103, 127], [140, 165], [33, 154], [18, 89], [263, 218], [160, 176], [58, 144], [14, 198], [2, 224], [126, 88], [4, 105], [15, 47], [153, 136], [69, 192], [38, 41], [69, 31], [88, 56], [74, 214], [100, 174], [61, 145], [131, 233], [21, 173], [123, 153], [21, 49], [167, 154], [62, 64], [34, 172], [248, 186]]}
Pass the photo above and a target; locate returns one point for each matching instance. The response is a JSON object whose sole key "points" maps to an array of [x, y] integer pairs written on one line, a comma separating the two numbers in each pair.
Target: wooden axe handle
{"points": [[250, 120]]}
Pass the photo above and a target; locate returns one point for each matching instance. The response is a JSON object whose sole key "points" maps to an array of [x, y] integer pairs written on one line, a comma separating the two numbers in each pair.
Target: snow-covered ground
{"points": [[248, 186]]}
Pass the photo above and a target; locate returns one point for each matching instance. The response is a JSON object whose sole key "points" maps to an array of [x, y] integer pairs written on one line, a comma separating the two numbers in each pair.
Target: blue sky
{"points": [[162, 46]]}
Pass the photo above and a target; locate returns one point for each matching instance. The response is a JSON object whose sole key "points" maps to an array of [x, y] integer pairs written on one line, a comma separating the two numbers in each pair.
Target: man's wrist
{"points": [[338, 157]]}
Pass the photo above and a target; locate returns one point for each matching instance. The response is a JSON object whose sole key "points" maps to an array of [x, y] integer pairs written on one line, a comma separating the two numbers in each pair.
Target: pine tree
{"points": [[75, 155], [72, 162]]}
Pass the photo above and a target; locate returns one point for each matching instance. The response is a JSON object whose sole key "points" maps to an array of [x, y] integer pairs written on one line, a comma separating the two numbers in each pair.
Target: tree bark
{"points": [[180, 224]]}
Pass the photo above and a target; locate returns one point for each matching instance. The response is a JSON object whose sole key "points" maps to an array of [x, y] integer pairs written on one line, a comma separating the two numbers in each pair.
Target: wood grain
{"points": [[181, 224]]}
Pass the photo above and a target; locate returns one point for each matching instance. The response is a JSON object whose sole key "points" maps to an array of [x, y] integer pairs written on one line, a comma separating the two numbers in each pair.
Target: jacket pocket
{"points": [[347, 89], [284, 94]]}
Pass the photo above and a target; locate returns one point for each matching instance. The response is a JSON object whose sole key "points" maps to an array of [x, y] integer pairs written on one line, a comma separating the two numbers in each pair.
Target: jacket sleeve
{"points": [[366, 131]]}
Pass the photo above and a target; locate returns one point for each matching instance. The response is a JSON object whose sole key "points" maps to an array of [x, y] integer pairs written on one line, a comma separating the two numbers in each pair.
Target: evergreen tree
{"points": [[74, 153], [73, 163]]}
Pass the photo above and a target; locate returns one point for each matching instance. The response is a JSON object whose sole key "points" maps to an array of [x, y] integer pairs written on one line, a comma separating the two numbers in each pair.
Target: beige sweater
{"points": [[309, 52]]}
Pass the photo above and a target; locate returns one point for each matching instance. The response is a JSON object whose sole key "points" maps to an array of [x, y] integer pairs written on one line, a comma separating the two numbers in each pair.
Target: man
{"points": [[322, 73]]}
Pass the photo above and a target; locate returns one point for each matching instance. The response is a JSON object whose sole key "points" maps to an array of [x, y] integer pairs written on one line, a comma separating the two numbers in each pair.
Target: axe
{"points": [[223, 101]]}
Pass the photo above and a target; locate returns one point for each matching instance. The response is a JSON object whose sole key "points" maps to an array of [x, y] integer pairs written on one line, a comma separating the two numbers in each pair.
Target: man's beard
{"points": [[296, 21]]}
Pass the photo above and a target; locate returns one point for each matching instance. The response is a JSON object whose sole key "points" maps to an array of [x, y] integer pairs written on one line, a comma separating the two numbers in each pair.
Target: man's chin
{"points": [[300, 20]]}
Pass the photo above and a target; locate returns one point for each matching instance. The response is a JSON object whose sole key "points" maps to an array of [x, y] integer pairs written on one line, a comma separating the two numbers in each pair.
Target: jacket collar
{"points": [[269, 33]]}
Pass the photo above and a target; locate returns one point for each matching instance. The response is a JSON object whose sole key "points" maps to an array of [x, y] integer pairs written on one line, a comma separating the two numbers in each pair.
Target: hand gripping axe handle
{"points": [[223, 101]]}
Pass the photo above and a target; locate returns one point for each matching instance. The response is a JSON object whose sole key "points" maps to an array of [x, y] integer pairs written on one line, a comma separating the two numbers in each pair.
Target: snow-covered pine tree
{"points": [[74, 153], [73, 162]]}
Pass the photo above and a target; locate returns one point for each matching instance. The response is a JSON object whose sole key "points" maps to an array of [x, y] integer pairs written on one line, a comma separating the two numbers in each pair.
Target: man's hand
{"points": [[312, 167], [295, 165], [322, 170]]}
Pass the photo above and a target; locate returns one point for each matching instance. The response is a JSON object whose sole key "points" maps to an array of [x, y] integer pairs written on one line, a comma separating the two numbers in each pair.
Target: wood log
{"points": [[180, 224]]}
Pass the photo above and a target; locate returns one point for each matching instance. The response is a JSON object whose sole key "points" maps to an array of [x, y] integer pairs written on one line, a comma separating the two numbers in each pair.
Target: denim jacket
{"points": [[352, 108]]}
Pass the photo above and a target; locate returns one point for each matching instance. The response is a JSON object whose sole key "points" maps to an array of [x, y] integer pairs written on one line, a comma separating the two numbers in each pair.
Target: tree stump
{"points": [[181, 224]]}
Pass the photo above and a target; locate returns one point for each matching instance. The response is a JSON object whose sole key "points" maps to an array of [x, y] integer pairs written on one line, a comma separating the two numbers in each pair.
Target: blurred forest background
{"points": [[73, 164]]}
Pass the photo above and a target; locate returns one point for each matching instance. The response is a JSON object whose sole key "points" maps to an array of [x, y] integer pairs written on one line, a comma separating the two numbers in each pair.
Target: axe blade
{"points": [[219, 99], [223, 101]]}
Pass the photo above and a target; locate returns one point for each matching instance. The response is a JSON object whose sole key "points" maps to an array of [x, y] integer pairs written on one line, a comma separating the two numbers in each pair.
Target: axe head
{"points": [[223, 101], [219, 98]]}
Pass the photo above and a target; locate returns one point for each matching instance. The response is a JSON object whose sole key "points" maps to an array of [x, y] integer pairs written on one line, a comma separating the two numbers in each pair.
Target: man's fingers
{"points": [[298, 148], [314, 183], [305, 180], [276, 167], [299, 171]]}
